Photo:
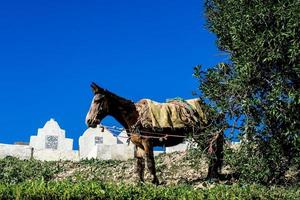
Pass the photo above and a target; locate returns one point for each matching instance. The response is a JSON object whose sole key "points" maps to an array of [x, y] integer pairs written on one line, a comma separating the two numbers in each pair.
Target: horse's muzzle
{"points": [[92, 123]]}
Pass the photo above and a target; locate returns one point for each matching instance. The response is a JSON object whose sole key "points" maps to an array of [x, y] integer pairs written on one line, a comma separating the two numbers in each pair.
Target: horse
{"points": [[106, 103]]}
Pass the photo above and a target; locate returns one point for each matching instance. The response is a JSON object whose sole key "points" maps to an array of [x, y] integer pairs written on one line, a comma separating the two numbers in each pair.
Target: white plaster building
{"points": [[102, 144], [51, 143], [18, 151], [177, 148], [123, 137]]}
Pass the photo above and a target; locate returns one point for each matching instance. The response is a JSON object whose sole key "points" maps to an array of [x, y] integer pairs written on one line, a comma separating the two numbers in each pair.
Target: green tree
{"points": [[258, 89]]}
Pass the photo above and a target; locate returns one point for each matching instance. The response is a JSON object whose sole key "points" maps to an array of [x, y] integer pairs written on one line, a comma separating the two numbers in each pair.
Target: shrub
{"points": [[100, 190], [14, 170], [258, 88]]}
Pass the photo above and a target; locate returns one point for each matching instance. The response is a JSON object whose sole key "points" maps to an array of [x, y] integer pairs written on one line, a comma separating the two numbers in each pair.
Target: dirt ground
{"points": [[172, 169]]}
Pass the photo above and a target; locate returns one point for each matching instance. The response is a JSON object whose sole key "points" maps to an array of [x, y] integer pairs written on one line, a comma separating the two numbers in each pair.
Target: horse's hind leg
{"points": [[213, 169], [216, 160], [151, 167], [150, 160], [140, 164]]}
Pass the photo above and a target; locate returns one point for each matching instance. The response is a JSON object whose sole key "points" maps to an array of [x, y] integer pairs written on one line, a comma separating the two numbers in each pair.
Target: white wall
{"points": [[55, 155], [64, 150], [108, 149], [51, 128], [87, 143], [114, 152], [19, 151], [180, 147]]}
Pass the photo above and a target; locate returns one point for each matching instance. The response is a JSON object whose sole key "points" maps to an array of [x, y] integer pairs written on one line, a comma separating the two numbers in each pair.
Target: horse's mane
{"points": [[117, 97], [113, 96]]}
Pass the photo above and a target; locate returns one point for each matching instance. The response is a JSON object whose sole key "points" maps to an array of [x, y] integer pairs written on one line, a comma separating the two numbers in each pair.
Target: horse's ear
{"points": [[96, 88]]}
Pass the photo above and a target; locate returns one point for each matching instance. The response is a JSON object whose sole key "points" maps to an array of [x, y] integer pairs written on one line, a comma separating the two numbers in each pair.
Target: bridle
{"points": [[100, 107]]}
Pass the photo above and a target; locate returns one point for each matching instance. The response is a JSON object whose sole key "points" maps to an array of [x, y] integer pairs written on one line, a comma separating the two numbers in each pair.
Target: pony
{"points": [[106, 103]]}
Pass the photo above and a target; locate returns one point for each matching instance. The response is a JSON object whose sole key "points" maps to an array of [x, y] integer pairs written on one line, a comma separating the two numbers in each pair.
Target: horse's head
{"points": [[99, 107]]}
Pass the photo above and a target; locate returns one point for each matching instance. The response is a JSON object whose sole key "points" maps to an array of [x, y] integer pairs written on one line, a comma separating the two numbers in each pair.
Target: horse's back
{"points": [[174, 114]]}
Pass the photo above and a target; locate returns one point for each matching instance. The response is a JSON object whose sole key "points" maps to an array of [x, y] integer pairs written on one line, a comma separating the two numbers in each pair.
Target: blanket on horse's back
{"points": [[176, 113]]}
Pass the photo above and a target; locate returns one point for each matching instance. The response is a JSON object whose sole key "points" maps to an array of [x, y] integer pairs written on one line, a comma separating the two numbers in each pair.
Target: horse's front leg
{"points": [[140, 163], [150, 159], [139, 155]]}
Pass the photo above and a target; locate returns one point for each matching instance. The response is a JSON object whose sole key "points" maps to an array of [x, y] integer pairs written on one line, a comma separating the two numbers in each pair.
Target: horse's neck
{"points": [[124, 111]]}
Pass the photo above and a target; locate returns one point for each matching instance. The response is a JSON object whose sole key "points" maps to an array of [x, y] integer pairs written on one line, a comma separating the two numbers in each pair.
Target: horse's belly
{"points": [[168, 142]]}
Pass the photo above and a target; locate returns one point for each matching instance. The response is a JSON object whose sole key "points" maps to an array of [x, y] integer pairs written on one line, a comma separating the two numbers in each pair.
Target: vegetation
{"points": [[13, 170], [100, 190], [257, 92], [169, 166], [96, 179]]}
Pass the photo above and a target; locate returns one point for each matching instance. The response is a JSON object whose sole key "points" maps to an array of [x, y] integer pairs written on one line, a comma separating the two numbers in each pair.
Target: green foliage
{"points": [[99, 163], [13, 170], [100, 190], [214, 126], [32, 179], [258, 91]]}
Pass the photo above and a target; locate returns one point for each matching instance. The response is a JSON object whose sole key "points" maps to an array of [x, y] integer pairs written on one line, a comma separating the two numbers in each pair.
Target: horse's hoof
{"points": [[141, 183], [155, 182], [212, 180]]}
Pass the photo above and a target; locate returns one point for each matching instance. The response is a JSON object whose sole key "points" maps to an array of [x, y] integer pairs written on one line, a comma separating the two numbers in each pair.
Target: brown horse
{"points": [[125, 112]]}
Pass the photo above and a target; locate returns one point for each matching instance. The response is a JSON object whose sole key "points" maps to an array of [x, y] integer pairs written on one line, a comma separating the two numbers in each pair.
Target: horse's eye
{"points": [[97, 100]]}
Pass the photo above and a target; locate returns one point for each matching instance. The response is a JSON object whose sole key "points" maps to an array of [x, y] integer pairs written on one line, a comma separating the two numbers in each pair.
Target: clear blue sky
{"points": [[50, 51]]}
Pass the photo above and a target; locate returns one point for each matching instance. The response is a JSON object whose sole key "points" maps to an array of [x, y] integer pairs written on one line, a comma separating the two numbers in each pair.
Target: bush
{"points": [[258, 89], [14, 170], [100, 190]]}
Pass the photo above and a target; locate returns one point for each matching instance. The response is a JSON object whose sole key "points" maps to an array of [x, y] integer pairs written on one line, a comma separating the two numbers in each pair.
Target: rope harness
{"points": [[156, 135], [114, 129]]}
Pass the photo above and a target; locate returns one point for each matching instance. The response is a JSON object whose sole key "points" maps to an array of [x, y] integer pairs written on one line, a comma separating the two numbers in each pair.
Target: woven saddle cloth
{"points": [[176, 113]]}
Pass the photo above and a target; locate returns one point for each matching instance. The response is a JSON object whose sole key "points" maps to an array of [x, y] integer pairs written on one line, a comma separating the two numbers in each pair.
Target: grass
{"points": [[94, 179], [40, 189]]}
